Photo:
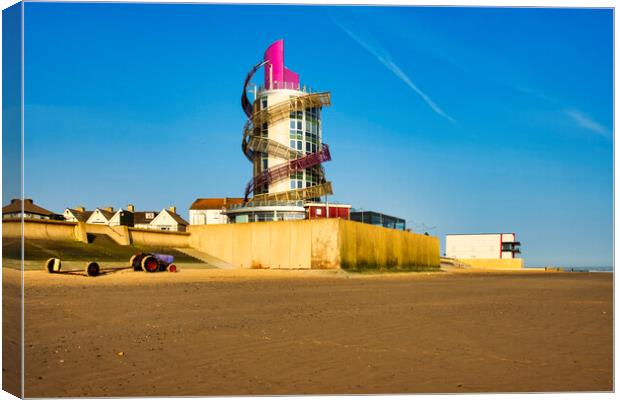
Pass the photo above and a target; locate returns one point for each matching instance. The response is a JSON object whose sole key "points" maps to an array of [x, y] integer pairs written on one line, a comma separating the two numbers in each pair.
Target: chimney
{"points": [[80, 208], [172, 209], [108, 209], [29, 201], [131, 208]]}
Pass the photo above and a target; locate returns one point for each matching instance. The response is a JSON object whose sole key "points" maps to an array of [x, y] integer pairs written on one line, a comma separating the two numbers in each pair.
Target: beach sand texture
{"points": [[213, 332]]}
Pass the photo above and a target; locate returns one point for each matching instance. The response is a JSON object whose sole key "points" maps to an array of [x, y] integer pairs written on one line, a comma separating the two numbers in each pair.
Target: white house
{"points": [[482, 246], [209, 211], [101, 216], [169, 220], [122, 217], [77, 214], [143, 219]]}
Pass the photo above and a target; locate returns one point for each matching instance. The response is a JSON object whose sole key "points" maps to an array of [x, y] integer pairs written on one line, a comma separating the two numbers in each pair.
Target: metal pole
{"points": [[326, 207]]}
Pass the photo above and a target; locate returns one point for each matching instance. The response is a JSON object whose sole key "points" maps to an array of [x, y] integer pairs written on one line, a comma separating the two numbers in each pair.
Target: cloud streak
{"points": [[586, 122], [384, 58], [578, 117]]}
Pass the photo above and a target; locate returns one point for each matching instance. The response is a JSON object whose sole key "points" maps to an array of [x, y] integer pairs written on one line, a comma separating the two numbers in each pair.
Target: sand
{"points": [[213, 332]]}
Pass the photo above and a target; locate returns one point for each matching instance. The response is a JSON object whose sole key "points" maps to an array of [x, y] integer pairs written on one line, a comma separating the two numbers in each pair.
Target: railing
{"points": [[275, 85], [267, 204], [283, 171]]}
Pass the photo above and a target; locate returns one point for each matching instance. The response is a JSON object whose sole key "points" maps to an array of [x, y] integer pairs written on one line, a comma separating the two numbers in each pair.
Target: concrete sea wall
{"points": [[364, 246], [149, 237], [61, 230], [283, 244], [315, 244], [39, 229], [306, 244]]}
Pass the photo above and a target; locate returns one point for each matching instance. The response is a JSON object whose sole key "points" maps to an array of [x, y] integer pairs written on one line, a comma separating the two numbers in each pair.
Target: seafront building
{"points": [[283, 140], [27, 209], [482, 249], [379, 219], [210, 211]]}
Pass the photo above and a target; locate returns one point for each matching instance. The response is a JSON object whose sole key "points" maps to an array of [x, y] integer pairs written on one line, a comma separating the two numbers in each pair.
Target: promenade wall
{"points": [[316, 244], [305, 244]]}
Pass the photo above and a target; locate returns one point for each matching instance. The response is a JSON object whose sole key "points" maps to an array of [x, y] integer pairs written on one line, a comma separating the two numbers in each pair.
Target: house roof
{"points": [[215, 203], [139, 217], [107, 214], [81, 216], [177, 218], [29, 207]]}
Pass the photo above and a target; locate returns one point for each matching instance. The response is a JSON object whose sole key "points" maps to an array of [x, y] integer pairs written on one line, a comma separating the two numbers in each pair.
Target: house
{"points": [[101, 216], [122, 217], [143, 219], [18, 208], [209, 211], [169, 220], [77, 214], [131, 217]]}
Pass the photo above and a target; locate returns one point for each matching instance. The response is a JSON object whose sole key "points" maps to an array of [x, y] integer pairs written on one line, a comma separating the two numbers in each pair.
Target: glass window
{"points": [[292, 144], [263, 102], [308, 147], [299, 145]]}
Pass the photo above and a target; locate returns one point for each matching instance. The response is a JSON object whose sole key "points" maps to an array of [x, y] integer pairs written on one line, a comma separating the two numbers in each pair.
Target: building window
{"points": [[264, 130], [263, 102]]}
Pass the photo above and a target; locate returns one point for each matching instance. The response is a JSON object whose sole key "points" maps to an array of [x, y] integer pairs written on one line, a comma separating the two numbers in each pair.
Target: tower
{"points": [[283, 139]]}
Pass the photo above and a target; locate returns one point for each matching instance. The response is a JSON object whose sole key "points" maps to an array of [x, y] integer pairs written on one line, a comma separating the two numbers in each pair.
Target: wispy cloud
{"points": [[578, 117], [384, 57], [586, 122]]}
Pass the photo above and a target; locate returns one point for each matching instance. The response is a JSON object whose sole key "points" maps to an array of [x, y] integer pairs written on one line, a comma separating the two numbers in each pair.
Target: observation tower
{"points": [[283, 140]]}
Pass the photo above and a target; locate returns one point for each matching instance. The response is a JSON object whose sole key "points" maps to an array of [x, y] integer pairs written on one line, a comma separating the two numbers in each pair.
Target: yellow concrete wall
{"points": [[307, 244], [493, 263], [315, 244], [364, 246], [149, 237], [61, 230], [278, 244], [117, 233], [40, 229]]}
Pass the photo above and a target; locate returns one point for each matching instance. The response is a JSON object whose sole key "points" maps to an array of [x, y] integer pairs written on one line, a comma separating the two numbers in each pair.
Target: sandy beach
{"points": [[214, 332]]}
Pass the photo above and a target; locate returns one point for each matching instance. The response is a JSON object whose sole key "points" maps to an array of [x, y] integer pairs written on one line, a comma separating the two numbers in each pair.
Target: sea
{"points": [[585, 269]]}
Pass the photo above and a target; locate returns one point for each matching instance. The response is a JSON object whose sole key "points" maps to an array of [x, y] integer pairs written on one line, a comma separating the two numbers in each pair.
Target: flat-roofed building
{"points": [[327, 210], [485, 249], [379, 219]]}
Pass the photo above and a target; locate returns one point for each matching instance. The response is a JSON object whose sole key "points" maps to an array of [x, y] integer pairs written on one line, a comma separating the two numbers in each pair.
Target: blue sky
{"points": [[456, 119]]}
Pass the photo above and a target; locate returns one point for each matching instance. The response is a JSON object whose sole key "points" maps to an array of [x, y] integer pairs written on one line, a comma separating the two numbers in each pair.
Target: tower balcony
{"points": [[287, 86]]}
